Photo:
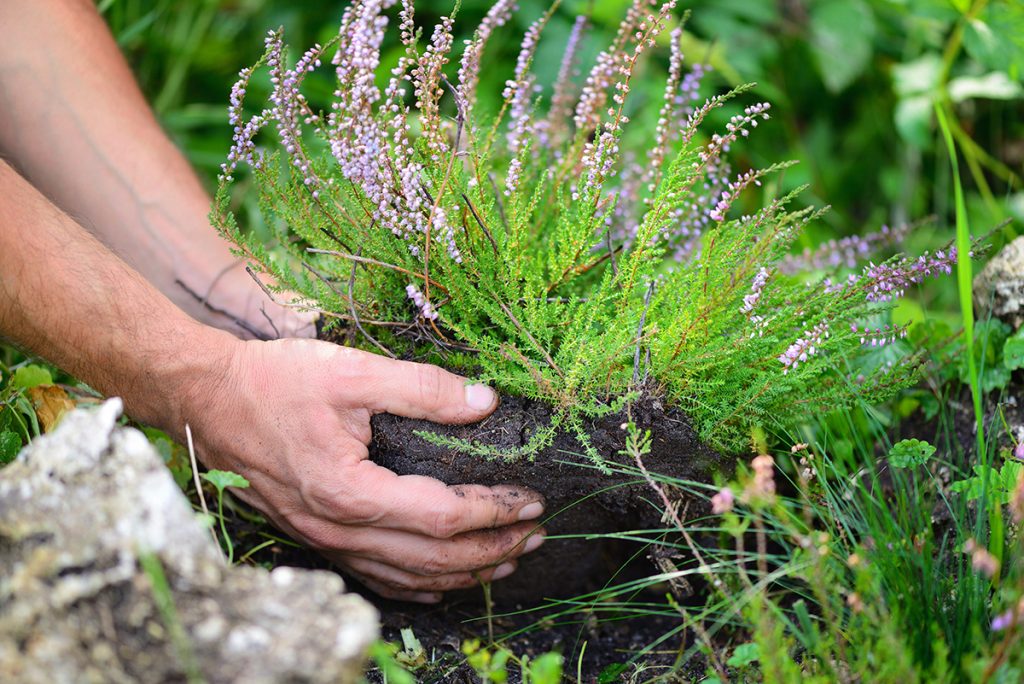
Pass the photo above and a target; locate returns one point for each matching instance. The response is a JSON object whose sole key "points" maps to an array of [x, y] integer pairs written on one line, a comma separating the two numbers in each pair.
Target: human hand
{"points": [[293, 417], [235, 301]]}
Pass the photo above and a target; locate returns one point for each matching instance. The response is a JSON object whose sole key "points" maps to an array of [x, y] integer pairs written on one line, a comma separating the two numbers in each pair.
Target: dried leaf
{"points": [[51, 403]]}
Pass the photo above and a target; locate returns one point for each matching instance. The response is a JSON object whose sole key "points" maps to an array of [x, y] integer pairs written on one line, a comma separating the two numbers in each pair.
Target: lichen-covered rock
{"points": [[79, 509], [999, 287]]}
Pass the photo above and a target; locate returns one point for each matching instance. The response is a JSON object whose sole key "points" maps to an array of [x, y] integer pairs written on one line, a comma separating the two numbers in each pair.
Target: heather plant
{"points": [[541, 248]]}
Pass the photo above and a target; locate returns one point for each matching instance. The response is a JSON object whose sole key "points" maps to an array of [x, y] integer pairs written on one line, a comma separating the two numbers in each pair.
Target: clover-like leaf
{"points": [[908, 453], [1013, 351], [222, 479], [744, 655], [31, 376]]}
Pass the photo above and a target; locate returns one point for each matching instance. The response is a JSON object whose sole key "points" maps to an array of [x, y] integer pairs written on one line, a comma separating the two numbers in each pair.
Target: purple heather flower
{"points": [[663, 130], [426, 309], [739, 125], [804, 348], [563, 98], [428, 89], [407, 26], [881, 336], [594, 94], [730, 194], [887, 281], [518, 94], [688, 91], [751, 300], [598, 163], [723, 501], [290, 105], [469, 69], [243, 148], [1004, 620], [844, 253]]}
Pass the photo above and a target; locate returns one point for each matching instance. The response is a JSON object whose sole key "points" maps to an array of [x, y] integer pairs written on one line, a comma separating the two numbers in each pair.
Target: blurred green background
{"points": [[852, 84]]}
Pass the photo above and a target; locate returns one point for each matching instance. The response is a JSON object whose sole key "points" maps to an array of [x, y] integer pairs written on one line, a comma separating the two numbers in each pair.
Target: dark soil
{"points": [[591, 646], [580, 499], [590, 638]]}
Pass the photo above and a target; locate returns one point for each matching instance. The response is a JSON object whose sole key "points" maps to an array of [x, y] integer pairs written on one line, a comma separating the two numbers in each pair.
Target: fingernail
{"points": [[531, 511], [533, 542], [503, 570], [480, 397], [426, 597]]}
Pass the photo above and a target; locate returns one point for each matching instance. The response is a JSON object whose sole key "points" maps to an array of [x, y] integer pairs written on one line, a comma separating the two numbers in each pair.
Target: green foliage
{"points": [[412, 656], [384, 655], [153, 567], [909, 453], [744, 654], [221, 480], [841, 36], [10, 445], [491, 664], [848, 578], [561, 280], [990, 339], [18, 421], [997, 486], [27, 377], [174, 456], [871, 150], [1013, 351]]}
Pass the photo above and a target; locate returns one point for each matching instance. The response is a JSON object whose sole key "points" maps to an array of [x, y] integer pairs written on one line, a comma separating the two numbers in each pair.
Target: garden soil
{"points": [[580, 499], [526, 614]]}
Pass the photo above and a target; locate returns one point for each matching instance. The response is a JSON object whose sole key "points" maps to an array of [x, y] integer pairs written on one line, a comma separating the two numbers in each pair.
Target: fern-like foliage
{"points": [[530, 248]]}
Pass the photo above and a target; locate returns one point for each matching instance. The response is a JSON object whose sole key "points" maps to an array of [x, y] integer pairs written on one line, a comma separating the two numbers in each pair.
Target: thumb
{"points": [[416, 390]]}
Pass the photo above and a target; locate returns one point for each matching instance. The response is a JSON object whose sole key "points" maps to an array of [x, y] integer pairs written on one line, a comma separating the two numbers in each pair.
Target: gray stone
{"points": [[999, 287], [79, 508]]}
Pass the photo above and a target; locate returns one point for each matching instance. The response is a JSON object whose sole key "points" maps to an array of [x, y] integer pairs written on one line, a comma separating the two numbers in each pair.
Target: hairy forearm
{"points": [[64, 296], [73, 121]]}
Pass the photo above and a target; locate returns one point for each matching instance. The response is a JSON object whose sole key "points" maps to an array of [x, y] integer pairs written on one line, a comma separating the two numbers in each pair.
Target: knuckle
{"points": [[432, 567], [445, 524], [351, 363], [326, 499], [431, 386]]}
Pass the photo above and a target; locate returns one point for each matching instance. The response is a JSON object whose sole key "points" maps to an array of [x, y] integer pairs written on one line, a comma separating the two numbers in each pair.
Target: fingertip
{"points": [[481, 398], [534, 541], [503, 571], [530, 511], [428, 597]]}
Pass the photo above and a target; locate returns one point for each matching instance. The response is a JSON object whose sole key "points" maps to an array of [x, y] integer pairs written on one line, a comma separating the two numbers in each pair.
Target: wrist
{"points": [[180, 383]]}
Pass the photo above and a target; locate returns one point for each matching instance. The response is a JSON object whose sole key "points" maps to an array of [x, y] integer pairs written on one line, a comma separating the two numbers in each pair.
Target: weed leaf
{"points": [[222, 479], [909, 453], [10, 445], [31, 376]]}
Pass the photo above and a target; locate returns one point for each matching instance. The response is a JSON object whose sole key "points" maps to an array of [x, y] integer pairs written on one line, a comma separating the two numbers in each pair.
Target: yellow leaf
{"points": [[51, 403]]}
